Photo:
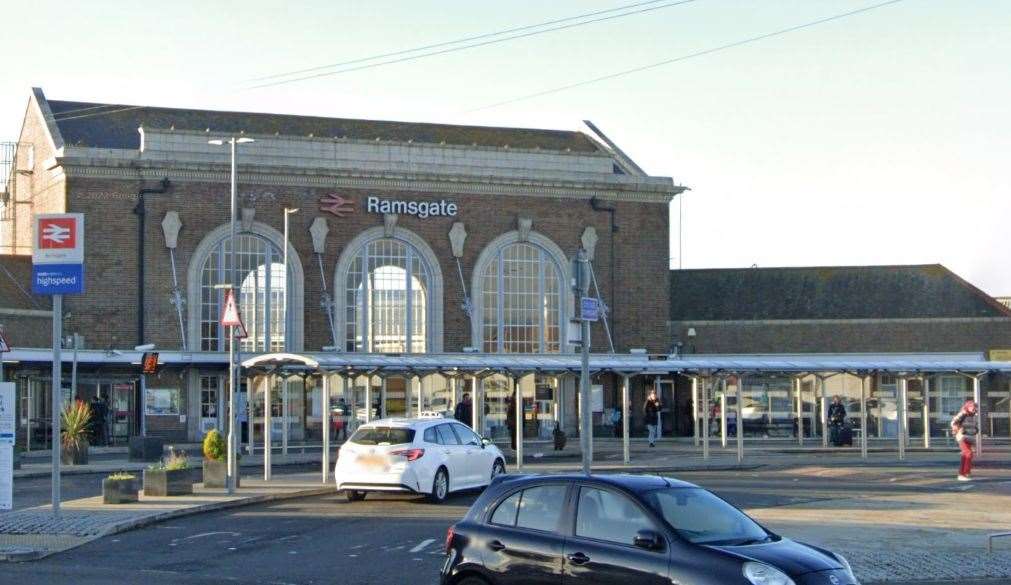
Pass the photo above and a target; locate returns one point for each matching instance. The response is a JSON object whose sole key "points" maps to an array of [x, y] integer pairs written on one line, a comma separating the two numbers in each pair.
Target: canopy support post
{"points": [[625, 440]]}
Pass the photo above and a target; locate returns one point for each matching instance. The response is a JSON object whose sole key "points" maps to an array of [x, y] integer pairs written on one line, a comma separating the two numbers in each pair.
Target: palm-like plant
{"points": [[74, 423]]}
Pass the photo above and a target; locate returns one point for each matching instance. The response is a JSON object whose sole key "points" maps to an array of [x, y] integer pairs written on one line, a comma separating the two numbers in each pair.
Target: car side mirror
{"points": [[647, 539], [485, 441]]}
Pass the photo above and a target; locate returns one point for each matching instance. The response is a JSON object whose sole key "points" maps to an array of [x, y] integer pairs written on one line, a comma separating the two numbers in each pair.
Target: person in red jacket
{"points": [[965, 427]]}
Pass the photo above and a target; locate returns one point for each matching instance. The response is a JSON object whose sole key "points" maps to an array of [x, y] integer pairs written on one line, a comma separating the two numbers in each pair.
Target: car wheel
{"points": [[440, 486], [497, 468], [355, 495]]}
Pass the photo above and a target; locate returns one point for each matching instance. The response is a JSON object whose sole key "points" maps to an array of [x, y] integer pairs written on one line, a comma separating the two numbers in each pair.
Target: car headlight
{"points": [[762, 574]]}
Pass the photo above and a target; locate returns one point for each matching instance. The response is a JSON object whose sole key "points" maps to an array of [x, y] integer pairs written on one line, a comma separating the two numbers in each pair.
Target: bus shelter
{"points": [[709, 376]]}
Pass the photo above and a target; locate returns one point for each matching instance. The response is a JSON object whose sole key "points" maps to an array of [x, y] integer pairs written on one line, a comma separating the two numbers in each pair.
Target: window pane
{"points": [[446, 435], [431, 436], [262, 283], [521, 301], [386, 292], [541, 507], [378, 435], [505, 514], [701, 517], [466, 436], [605, 515]]}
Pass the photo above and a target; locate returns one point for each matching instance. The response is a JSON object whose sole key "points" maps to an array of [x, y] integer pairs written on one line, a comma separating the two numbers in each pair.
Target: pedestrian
{"points": [[616, 421], [465, 411], [651, 415], [836, 420], [965, 426], [342, 419], [511, 419]]}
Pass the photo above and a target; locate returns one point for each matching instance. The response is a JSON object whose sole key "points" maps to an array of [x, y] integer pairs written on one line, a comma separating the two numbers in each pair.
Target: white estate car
{"points": [[431, 456]]}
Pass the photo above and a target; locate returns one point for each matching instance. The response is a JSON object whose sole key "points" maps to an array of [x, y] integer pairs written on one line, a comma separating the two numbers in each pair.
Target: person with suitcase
{"points": [[837, 423]]}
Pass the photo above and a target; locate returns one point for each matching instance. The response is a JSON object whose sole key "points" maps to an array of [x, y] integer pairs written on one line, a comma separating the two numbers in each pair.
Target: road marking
{"points": [[203, 534], [421, 546]]}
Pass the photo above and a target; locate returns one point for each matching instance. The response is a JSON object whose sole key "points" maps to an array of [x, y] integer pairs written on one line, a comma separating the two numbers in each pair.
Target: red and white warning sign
{"points": [[230, 316], [4, 346], [59, 239]]}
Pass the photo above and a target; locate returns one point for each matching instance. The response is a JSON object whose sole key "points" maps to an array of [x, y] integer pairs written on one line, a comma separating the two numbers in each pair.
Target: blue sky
{"points": [[881, 138]]}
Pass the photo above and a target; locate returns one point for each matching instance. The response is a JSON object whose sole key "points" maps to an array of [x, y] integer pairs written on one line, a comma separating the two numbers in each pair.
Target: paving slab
{"points": [[34, 533]]}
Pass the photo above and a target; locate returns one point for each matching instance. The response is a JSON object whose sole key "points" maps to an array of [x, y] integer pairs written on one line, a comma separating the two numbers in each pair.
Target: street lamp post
{"points": [[232, 373], [284, 379]]}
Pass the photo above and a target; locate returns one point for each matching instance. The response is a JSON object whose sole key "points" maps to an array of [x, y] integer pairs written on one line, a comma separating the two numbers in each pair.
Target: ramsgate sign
{"points": [[421, 209]]}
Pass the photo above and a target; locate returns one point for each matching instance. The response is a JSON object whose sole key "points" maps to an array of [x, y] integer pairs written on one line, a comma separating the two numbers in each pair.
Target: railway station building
{"points": [[414, 263]]}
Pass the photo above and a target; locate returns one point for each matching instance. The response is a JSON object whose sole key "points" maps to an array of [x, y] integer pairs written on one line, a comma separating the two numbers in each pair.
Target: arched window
{"points": [[387, 295], [520, 297], [261, 294], [392, 294]]}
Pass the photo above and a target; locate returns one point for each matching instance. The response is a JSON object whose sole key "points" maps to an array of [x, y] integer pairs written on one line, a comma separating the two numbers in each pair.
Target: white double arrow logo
{"points": [[56, 233]]}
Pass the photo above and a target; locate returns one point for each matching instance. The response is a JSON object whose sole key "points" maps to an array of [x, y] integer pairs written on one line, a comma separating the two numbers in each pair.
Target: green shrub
{"points": [[122, 475], [214, 445], [175, 460], [74, 425]]}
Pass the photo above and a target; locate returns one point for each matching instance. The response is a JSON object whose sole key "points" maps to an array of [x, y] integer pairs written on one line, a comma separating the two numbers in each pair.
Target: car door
{"points": [[522, 538], [600, 550], [477, 459], [456, 460]]}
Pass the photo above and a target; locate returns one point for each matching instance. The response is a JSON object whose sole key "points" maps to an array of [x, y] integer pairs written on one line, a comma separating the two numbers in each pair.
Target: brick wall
{"points": [[108, 310], [37, 189]]}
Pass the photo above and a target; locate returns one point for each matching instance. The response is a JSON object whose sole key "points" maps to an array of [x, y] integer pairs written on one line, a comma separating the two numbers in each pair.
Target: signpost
{"points": [[6, 445], [230, 318], [58, 269], [589, 309]]}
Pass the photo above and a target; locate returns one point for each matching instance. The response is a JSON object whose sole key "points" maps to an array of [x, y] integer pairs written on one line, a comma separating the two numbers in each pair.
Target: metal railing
{"points": [[989, 540]]}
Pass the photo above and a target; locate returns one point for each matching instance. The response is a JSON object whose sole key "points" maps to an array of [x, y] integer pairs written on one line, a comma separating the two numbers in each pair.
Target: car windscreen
{"points": [[702, 518], [383, 436]]}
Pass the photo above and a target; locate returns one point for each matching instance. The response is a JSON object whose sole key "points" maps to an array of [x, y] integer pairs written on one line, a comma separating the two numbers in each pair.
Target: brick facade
{"points": [[108, 311]]}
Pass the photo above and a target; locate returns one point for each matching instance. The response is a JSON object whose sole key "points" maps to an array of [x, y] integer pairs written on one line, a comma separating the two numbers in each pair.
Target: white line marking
{"points": [[203, 534], [421, 546]]}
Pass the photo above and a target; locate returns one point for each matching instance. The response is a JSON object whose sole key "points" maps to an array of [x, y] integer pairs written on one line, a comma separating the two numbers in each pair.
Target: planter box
{"points": [[216, 474], [146, 448], [119, 491], [75, 455], [168, 482]]}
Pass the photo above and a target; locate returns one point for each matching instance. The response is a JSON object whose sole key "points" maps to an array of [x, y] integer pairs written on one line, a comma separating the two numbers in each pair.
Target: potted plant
{"points": [[120, 488], [215, 466], [75, 423], [169, 477]]}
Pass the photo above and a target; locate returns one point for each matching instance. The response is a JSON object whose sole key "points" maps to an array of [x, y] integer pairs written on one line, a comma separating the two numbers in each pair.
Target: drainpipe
{"points": [[141, 212]]}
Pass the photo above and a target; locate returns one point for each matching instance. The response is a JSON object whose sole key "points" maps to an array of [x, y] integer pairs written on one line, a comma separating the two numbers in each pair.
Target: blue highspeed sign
{"points": [[51, 279], [589, 309]]}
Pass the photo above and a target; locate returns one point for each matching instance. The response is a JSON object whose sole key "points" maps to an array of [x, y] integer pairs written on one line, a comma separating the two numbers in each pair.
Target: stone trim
{"points": [[490, 252], [913, 320], [296, 336], [76, 168], [433, 305], [26, 313]]}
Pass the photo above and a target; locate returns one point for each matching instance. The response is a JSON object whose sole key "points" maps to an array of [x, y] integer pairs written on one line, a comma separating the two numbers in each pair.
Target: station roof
{"points": [[929, 291], [115, 126], [521, 364]]}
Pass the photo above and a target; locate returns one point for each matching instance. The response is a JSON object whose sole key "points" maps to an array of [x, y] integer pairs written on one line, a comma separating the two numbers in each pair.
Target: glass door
{"points": [[123, 412]]}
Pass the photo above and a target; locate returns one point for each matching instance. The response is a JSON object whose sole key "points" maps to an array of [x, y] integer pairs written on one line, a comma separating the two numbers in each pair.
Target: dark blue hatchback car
{"points": [[623, 529]]}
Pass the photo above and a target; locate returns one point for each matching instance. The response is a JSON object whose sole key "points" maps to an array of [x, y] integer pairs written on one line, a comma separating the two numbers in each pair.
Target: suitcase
{"points": [[841, 435]]}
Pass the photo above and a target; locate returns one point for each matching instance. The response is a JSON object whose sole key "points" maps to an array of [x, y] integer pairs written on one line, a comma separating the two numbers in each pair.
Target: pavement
{"points": [[897, 521], [34, 533]]}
